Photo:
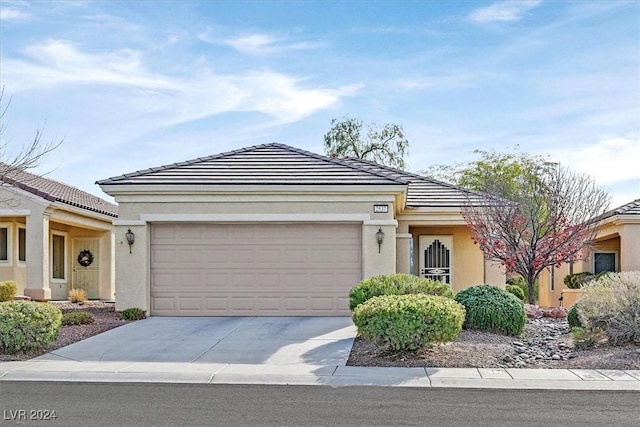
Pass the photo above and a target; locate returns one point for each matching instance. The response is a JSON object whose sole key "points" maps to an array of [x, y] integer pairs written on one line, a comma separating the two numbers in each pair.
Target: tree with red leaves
{"points": [[549, 220]]}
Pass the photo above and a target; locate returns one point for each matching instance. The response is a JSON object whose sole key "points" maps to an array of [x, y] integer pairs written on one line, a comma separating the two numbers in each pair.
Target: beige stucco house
{"points": [[54, 237], [616, 248], [275, 230]]}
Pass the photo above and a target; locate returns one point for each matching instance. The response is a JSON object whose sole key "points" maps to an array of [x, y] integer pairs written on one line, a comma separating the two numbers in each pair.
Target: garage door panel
{"points": [[254, 269]]}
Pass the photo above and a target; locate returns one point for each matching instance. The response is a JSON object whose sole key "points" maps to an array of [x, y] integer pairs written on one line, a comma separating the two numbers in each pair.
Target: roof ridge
{"points": [[245, 150]]}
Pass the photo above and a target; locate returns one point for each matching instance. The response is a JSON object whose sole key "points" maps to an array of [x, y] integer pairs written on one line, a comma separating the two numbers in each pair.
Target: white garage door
{"points": [[254, 269]]}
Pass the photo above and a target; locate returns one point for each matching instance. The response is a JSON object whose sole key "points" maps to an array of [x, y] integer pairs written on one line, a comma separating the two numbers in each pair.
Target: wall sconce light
{"points": [[379, 238], [130, 238]]}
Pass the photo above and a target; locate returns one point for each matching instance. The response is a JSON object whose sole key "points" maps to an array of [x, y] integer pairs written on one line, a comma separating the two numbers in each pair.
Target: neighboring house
{"points": [[54, 237], [616, 248], [275, 230]]}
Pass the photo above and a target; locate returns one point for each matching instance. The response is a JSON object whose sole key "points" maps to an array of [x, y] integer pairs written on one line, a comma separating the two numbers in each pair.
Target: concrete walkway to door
{"points": [[269, 350]]}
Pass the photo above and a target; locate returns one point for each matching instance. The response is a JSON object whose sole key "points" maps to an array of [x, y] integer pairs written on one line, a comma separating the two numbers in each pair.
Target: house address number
{"points": [[380, 208]]}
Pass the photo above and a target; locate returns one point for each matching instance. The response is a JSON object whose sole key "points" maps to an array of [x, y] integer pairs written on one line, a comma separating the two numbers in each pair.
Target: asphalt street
{"points": [[131, 404]]}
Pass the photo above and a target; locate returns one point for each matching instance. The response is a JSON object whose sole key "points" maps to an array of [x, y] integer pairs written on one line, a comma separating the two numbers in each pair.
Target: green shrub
{"points": [[8, 290], [577, 280], [517, 291], [572, 317], [77, 318], [612, 303], [522, 284], [396, 284], [28, 325], [408, 322], [490, 308], [133, 313]]}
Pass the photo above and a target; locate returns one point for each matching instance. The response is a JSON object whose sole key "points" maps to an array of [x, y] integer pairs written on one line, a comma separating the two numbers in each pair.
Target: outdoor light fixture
{"points": [[130, 238], [379, 238]]}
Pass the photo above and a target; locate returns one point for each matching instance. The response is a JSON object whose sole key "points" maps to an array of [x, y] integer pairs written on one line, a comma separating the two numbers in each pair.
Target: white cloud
{"points": [[8, 14], [609, 161], [258, 43], [503, 11], [177, 99]]}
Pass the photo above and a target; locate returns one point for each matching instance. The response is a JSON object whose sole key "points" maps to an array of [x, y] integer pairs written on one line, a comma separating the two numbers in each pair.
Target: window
{"points": [[22, 244], [4, 244], [58, 256], [604, 261]]}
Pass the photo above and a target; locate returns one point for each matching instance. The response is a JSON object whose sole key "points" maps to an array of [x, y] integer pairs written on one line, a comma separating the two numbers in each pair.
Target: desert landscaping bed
{"points": [[105, 318], [546, 343]]}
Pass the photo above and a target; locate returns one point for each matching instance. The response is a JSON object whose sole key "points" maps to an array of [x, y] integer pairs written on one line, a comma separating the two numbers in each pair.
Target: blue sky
{"points": [[131, 85]]}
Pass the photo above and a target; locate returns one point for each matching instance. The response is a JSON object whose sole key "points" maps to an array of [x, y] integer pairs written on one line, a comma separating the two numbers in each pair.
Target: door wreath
{"points": [[85, 258]]}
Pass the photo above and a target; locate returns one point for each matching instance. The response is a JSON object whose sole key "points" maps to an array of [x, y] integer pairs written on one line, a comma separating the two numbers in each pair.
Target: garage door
{"points": [[254, 269]]}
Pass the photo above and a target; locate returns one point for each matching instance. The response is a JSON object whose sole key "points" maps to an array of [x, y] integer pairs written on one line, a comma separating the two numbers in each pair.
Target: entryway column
{"points": [[403, 250], [37, 252]]}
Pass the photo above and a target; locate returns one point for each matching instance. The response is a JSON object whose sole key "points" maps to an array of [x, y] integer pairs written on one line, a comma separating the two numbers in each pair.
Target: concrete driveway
{"points": [[224, 340]]}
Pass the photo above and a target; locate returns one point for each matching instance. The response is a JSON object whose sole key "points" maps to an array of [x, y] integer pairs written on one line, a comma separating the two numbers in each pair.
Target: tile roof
{"points": [[55, 191], [266, 164], [424, 191], [631, 208]]}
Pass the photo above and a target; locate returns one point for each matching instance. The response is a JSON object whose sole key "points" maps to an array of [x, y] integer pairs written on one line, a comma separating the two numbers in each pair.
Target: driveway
{"points": [[225, 340]]}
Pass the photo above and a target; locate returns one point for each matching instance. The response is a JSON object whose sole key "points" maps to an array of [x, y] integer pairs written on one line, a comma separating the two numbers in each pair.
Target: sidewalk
{"points": [[331, 375]]}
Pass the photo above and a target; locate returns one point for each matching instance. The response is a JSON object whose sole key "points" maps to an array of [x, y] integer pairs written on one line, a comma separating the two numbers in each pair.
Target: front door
{"points": [[86, 266], [435, 258]]}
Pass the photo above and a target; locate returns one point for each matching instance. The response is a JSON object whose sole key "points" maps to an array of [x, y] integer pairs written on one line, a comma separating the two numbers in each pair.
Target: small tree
{"points": [[549, 220], [26, 157], [387, 146]]}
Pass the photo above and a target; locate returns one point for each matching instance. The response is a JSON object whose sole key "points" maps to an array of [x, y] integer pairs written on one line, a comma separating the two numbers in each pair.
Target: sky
{"points": [[130, 85]]}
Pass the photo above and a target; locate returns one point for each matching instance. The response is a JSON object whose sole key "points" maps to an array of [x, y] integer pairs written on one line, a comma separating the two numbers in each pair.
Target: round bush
{"points": [[572, 317], [492, 309], [8, 290], [28, 325], [577, 280], [396, 284], [77, 318], [408, 322], [517, 291]]}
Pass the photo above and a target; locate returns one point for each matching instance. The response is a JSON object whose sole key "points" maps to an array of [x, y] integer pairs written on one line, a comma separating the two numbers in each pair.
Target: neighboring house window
{"points": [[4, 244], [605, 261], [22, 244], [58, 256]]}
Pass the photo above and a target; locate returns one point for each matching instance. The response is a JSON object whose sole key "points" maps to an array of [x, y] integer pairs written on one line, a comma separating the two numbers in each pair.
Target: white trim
{"points": [[381, 222], [404, 235], [593, 259], [65, 251], [15, 212], [128, 222], [9, 261], [259, 218]]}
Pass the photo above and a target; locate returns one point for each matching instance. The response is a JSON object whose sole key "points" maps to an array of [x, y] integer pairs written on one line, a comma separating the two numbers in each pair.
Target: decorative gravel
{"points": [[546, 343]]}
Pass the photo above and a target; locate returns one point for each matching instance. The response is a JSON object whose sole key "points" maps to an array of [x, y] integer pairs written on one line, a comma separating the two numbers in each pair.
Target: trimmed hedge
{"points": [[577, 280], [517, 291], [28, 325], [396, 284], [492, 309], [408, 322], [8, 290]]}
